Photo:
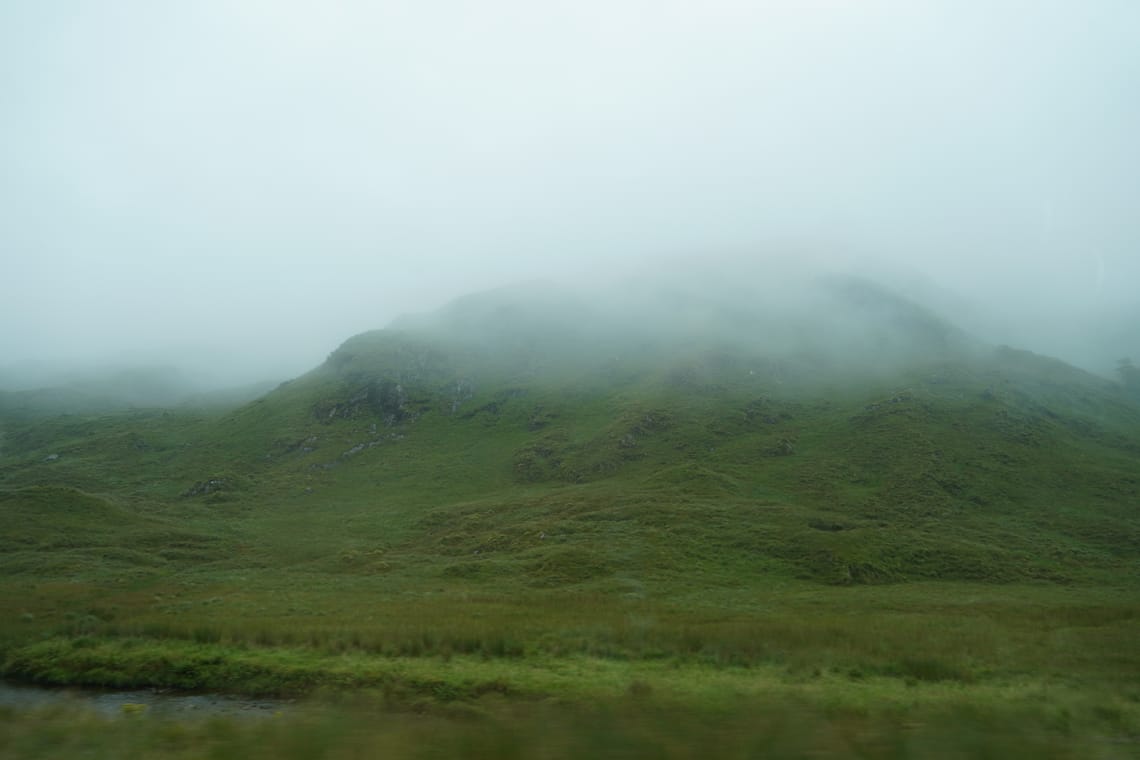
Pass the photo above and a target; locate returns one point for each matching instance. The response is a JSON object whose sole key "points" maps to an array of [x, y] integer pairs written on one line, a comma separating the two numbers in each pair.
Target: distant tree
{"points": [[1129, 375]]}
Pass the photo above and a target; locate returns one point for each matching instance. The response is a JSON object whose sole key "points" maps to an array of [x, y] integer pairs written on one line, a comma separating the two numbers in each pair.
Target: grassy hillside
{"points": [[476, 501]]}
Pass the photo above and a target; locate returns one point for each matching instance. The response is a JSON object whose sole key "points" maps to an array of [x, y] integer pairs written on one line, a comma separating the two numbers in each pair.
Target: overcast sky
{"points": [[264, 178]]}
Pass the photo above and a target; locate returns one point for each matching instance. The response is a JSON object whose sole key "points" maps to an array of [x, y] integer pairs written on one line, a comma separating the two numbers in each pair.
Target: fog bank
{"points": [[237, 187]]}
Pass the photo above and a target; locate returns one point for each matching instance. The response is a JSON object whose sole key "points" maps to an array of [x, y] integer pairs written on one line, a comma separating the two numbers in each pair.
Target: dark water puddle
{"points": [[148, 702]]}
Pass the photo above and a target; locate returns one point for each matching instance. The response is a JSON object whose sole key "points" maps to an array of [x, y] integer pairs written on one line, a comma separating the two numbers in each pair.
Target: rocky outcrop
{"points": [[205, 487], [385, 399]]}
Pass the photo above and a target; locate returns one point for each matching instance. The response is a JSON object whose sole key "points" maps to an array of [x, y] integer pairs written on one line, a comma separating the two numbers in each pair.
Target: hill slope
{"points": [[536, 436]]}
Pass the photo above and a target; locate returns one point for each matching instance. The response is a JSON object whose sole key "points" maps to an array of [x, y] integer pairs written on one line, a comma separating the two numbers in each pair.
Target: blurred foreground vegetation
{"points": [[638, 725]]}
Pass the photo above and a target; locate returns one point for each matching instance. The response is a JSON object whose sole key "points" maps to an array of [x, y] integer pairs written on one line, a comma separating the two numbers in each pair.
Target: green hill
{"points": [[834, 480], [516, 429]]}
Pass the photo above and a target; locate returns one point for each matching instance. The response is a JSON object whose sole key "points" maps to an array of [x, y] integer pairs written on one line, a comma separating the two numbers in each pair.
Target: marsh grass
{"points": [[972, 635]]}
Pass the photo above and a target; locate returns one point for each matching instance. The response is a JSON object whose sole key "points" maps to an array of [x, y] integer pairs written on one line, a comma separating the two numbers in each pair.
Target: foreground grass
{"points": [[766, 722], [573, 679], [932, 631], [890, 671]]}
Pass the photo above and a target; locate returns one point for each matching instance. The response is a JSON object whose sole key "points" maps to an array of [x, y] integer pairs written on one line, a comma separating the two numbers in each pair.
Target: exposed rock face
{"points": [[464, 390], [385, 399], [358, 448], [204, 487]]}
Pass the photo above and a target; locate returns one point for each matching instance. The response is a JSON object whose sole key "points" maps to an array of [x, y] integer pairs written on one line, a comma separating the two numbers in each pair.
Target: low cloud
{"points": [[238, 187]]}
